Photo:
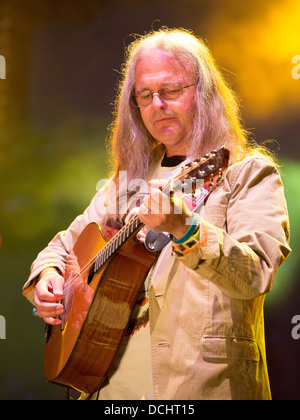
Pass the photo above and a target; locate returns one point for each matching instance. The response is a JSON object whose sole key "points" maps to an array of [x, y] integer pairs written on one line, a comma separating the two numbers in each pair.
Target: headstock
{"points": [[206, 168], [209, 165]]}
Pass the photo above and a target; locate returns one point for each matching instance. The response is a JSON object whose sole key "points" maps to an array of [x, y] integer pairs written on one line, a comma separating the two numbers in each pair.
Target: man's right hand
{"points": [[48, 293]]}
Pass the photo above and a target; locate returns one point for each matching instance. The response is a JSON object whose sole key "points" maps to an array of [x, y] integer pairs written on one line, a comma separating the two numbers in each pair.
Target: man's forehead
{"points": [[160, 58], [159, 65]]}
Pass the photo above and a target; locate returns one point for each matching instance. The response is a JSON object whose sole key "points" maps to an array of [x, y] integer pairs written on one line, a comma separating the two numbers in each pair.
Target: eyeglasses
{"points": [[166, 93]]}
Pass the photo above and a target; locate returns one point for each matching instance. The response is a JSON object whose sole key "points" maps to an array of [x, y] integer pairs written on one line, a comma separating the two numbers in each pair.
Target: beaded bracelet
{"points": [[188, 234]]}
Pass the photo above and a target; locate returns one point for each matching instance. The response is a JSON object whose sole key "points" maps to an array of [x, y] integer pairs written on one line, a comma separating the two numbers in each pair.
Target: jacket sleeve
{"points": [[241, 254], [56, 253]]}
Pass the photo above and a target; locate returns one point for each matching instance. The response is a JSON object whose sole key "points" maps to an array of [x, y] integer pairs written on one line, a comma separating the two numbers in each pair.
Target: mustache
{"points": [[162, 115]]}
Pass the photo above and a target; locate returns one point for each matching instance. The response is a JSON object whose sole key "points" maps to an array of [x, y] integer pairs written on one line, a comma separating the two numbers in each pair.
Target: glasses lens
{"points": [[170, 93], [144, 98], [167, 93]]}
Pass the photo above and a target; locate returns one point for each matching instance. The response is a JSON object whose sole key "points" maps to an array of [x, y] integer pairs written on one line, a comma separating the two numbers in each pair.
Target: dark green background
{"points": [[62, 60]]}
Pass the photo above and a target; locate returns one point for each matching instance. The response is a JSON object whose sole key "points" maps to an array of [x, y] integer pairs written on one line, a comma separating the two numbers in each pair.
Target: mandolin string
{"points": [[185, 170], [106, 248]]}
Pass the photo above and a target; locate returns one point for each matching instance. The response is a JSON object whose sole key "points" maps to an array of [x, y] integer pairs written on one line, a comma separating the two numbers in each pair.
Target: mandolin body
{"points": [[97, 308]]}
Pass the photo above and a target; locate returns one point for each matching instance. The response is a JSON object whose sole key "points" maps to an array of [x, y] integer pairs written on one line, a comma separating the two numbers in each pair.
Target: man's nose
{"points": [[157, 101]]}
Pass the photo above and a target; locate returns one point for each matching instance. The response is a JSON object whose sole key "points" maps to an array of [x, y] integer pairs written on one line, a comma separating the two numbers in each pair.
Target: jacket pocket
{"points": [[222, 349]]}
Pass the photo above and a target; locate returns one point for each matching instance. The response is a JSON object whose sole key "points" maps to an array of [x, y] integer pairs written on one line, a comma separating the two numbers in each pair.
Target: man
{"points": [[204, 295]]}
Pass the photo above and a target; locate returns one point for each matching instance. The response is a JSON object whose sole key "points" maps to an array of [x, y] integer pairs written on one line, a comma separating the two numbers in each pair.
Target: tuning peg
{"points": [[221, 177]]}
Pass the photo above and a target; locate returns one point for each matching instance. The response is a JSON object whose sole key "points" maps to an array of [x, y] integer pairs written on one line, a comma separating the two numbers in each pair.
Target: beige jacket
{"points": [[206, 303]]}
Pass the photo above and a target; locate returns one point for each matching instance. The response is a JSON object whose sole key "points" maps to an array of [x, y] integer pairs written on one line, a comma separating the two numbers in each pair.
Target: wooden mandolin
{"points": [[103, 276]]}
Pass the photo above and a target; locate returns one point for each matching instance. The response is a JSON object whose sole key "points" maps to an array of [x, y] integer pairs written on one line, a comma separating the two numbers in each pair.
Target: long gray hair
{"points": [[217, 120]]}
